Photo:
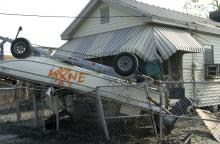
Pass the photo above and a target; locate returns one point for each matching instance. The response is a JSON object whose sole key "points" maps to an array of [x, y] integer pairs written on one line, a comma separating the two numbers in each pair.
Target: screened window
{"points": [[208, 54]]}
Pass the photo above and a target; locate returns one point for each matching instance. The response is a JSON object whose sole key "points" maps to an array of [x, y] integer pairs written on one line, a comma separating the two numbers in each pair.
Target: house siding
{"points": [[206, 93], [94, 26], [211, 40]]}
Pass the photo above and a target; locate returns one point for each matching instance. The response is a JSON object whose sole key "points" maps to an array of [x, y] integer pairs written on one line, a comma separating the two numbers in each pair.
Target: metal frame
{"points": [[103, 118], [4, 40], [101, 114]]}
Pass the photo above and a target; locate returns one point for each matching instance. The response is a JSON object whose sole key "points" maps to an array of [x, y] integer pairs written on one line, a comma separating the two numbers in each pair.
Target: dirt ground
{"points": [[24, 131], [10, 134], [196, 128], [25, 135]]}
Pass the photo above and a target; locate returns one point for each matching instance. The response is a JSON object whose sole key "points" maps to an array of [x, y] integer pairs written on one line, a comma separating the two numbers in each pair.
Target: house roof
{"points": [[163, 13], [149, 14]]}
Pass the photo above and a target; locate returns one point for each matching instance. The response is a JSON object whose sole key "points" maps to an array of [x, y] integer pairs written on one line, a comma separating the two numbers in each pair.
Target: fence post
{"points": [[161, 111], [35, 110], [151, 111], [57, 114], [17, 101], [101, 114], [44, 128]]}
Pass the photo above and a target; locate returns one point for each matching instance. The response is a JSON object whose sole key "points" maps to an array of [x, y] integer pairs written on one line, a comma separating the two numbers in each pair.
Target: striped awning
{"points": [[148, 42]]}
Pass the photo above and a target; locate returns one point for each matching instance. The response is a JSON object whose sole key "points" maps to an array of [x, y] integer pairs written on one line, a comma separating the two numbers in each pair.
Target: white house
{"points": [[184, 44]]}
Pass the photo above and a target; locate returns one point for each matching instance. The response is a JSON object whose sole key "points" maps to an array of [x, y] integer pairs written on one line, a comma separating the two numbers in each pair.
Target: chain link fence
{"points": [[184, 112], [192, 115], [123, 121], [188, 114], [21, 106]]}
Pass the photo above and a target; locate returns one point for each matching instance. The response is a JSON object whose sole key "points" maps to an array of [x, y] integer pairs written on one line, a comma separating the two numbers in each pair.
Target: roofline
{"points": [[132, 10], [91, 6], [146, 18], [193, 27], [80, 18]]}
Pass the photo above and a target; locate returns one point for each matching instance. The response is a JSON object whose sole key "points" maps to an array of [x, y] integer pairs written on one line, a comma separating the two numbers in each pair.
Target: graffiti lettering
{"points": [[62, 75], [81, 77]]}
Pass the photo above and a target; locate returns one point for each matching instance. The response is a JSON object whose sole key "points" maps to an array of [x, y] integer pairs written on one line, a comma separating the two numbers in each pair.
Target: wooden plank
{"points": [[214, 127]]}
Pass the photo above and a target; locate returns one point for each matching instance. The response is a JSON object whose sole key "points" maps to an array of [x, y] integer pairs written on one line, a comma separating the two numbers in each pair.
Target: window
{"points": [[212, 70], [208, 54], [104, 13]]}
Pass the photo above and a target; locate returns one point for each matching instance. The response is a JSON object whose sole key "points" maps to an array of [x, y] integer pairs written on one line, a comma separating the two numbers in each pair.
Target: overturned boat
{"points": [[119, 85], [54, 73], [78, 75]]}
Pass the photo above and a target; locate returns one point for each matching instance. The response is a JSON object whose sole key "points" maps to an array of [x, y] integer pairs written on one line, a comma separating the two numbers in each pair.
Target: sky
{"points": [[46, 31]]}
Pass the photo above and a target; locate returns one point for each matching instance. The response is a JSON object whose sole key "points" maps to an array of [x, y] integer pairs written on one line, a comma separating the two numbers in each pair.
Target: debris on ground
{"points": [[214, 127]]}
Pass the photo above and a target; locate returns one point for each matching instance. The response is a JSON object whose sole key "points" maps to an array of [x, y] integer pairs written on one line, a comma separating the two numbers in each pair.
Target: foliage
{"points": [[216, 5], [201, 7], [196, 8]]}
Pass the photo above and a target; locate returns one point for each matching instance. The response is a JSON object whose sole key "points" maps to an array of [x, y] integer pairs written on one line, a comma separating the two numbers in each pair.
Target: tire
{"points": [[21, 48], [125, 64]]}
